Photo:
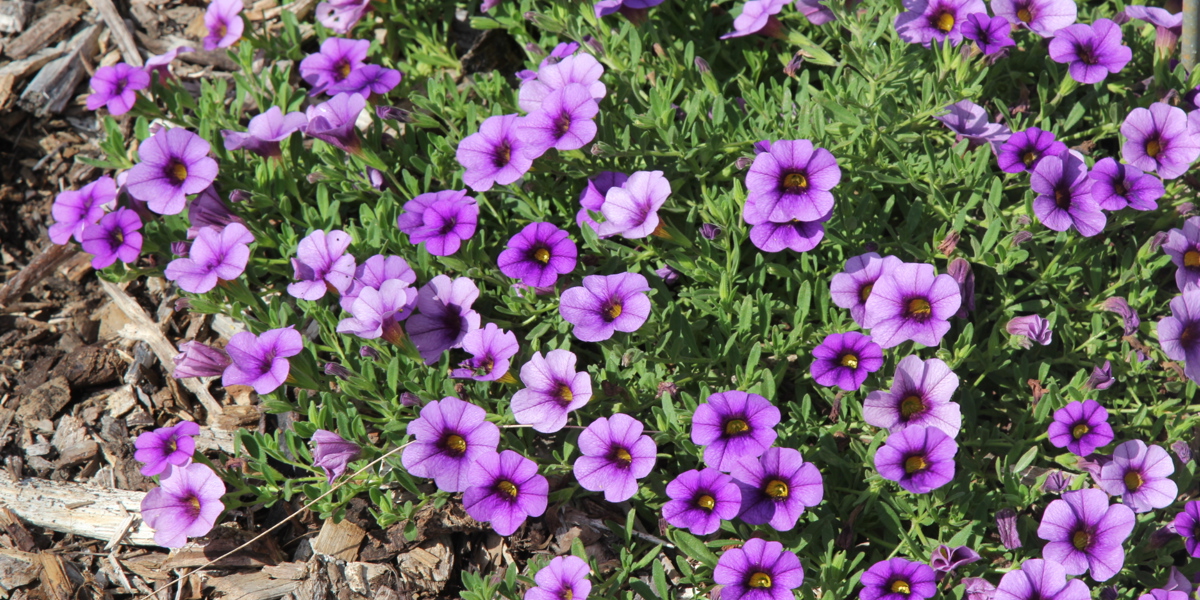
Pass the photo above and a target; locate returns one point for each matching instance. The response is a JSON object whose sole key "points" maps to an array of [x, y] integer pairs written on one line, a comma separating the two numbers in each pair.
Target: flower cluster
{"points": [[187, 501]]}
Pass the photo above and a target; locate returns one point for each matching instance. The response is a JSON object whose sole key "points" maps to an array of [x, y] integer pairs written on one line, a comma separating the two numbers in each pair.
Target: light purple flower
{"points": [[448, 437], [164, 447], [734, 425], [1129, 317], [700, 500], [538, 255], [1183, 246], [261, 361], [186, 504], [116, 87], [970, 121], [605, 304], [223, 19], [592, 197], [505, 488], [215, 255], [1179, 333], [563, 577], [1065, 195], [74, 210], [373, 272], [332, 453], [333, 121], [845, 359], [337, 59], [1025, 149], [1080, 427], [799, 236], [1140, 475], [1043, 17], [1167, 26], [791, 182], [615, 456], [116, 236], [898, 579], [759, 570], [927, 20], [198, 360], [815, 11], [991, 34], [565, 120], [448, 219], [631, 209], [920, 397], [552, 390], [1031, 328], [322, 264], [367, 80], [174, 164], [756, 16], [1187, 524], [491, 350], [341, 16], [495, 154], [851, 288], [777, 487], [946, 559], [444, 316], [911, 302], [1084, 532], [1116, 186], [265, 131], [582, 69], [1091, 51], [1160, 139], [1039, 579], [161, 63], [920, 459], [378, 312]]}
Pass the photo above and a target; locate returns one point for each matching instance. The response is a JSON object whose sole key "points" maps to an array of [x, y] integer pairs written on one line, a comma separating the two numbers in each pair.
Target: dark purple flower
{"points": [[174, 163], [970, 121], [373, 272], [1129, 316], [565, 120], [582, 69], [961, 271], [845, 359], [116, 236], [1140, 475], [116, 87], [564, 577], [709, 231], [444, 316], [223, 19], [208, 210], [261, 361], [1116, 186], [668, 275], [631, 209], [1043, 17], [378, 312], [1006, 523], [1160, 139], [1101, 378], [1183, 450], [791, 182], [734, 425], [920, 397], [946, 559], [491, 350], [927, 20], [1025, 149], [368, 80], [185, 504], [265, 131], [776, 487], [605, 304], [1179, 333], [496, 154], [216, 255], [158, 450], [321, 265], [759, 570], [333, 121], [815, 11], [991, 34], [449, 218], [552, 390], [332, 453], [1084, 532], [615, 456], [505, 488], [538, 255], [911, 302], [1065, 195], [1057, 481], [1187, 524], [1183, 246], [1091, 51], [448, 437], [1030, 328], [198, 360], [592, 197], [851, 288], [1039, 579], [898, 579], [1080, 427], [336, 60], [700, 500], [920, 459], [74, 210]]}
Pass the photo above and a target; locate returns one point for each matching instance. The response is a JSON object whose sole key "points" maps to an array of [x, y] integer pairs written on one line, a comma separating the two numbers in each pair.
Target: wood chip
{"points": [[116, 24], [55, 84], [13, 14], [42, 265], [252, 586], [44, 32], [55, 583], [340, 540], [44, 503]]}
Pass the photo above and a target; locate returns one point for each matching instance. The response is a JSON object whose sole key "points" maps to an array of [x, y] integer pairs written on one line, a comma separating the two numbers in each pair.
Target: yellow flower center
{"points": [[1133, 480], [911, 405], [507, 487], [736, 426], [541, 255], [901, 586], [914, 464], [919, 307], [568, 594], [503, 154], [1153, 148], [1191, 258], [1024, 15], [456, 443], [623, 456], [612, 311], [760, 580], [865, 292], [343, 69], [1080, 430], [179, 172], [776, 489], [1081, 540], [849, 360], [564, 393], [706, 502], [795, 181], [194, 503], [945, 22]]}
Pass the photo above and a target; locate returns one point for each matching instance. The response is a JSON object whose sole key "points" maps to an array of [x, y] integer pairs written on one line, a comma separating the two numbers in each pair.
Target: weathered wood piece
{"points": [[253, 586], [44, 503], [55, 84], [116, 24], [42, 265], [339, 540], [13, 14], [44, 32]]}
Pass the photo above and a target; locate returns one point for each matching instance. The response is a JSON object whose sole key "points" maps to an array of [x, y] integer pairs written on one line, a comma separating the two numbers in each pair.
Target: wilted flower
{"points": [[174, 164], [1168, 26], [920, 397], [116, 87], [334, 121], [978, 588], [563, 577], [897, 579], [1091, 51], [223, 19], [961, 271], [815, 11], [185, 504], [845, 359], [920, 459], [74, 210], [332, 453], [322, 264], [158, 450], [759, 570], [1101, 377], [1140, 475], [448, 437], [946, 559], [1033, 328], [734, 425], [552, 390], [198, 360], [970, 121], [1057, 481], [1006, 523], [700, 500], [1080, 427], [1129, 316], [505, 489], [261, 361], [605, 304], [615, 456], [1084, 532], [116, 236], [777, 487], [161, 63]]}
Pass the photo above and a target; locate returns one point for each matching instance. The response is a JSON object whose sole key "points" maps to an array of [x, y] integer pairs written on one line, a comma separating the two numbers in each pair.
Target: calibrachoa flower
{"points": [[757, 16], [116, 87], [1116, 186], [961, 271], [1129, 317], [373, 272], [1065, 195], [564, 577], [444, 316], [970, 121], [161, 63], [198, 360], [552, 390], [174, 164], [920, 397], [1039, 579], [1084, 532], [496, 154], [1166, 595], [265, 131], [911, 302], [208, 210], [1187, 524], [185, 504], [851, 288], [333, 121], [791, 182], [261, 361], [1091, 51], [1030, 328], [1043, 17], [734, 425], [166, 446], [920, 459], [376, 313], [946, 559], [448, 220], [631, 209], [322, 264], [592, 197], [1006, 525], [1159, 139], [1080, 427], [332, 453], [582, 69], [800, 236], [505, 488], [368, 80], [845, 359], [759, 570], [223, 19], [615, 456], [336, 60], [1025, 149], [1168, 26], [215, 255], [342, 15], [777, 487], [941, 20], [491, 350], [991, 34], [1183, 246], [448, 437], [1140, 475], [1101, 377], [605, 304], [116, 236], [815, 11], [564, 120], [538, 255], [74, 210], [700, 500], [897, 579], [1179, 333]]}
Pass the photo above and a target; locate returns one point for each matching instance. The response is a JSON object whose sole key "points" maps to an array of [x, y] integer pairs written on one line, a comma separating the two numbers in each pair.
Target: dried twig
{"points": [[116, 24], [42, 265]]}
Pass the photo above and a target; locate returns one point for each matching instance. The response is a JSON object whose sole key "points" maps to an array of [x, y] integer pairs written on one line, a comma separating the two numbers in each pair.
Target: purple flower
{"points": [[970, 121], [215, 255], [1083, 532], [1179, 333], [777, 487], [605, 304], [1187, 524], [991, 34], [265, 131], [342, 15], [1116, 186], [496, 154], [961, 271], [332, 453], [800, 236], [166, 446], [116, 87], [734, 425], [1006, 524], [449, 218], [1091, 51], [367, 80], [337, 59], [1165, 595], [710, 231], [116, 236], [448, 437], [1025, 149], [978, 588], [1057, 481], [322, 264], [815, 11], [759, 570], [538, 255], [700, 500], [208, 210], [615, 456], [223, 20], [564, 121], [505, 488], [1080, 427], [629, 8], [911, 302], [161, 63], [563, 577], [444, 316], [1101, 378], [1043, 17], [378, 313], [592, 197], [552, 390], [1129, 317], [1039, 579], [261, 360], [756, 16], [1168, 26], [1159, 139], [582, 69], [1065, 195], [1140, 475], [1031, 328], [74, 210], [186, 504], [946, 559], [941, 20], [491, 349], [920, 397], [198, 360], [920, 459], [851, 288], [174, 163], [373, 272], [898, 579], [791, 182], [333, 121], [1183, 246], [631, 209], [845, 359]]}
